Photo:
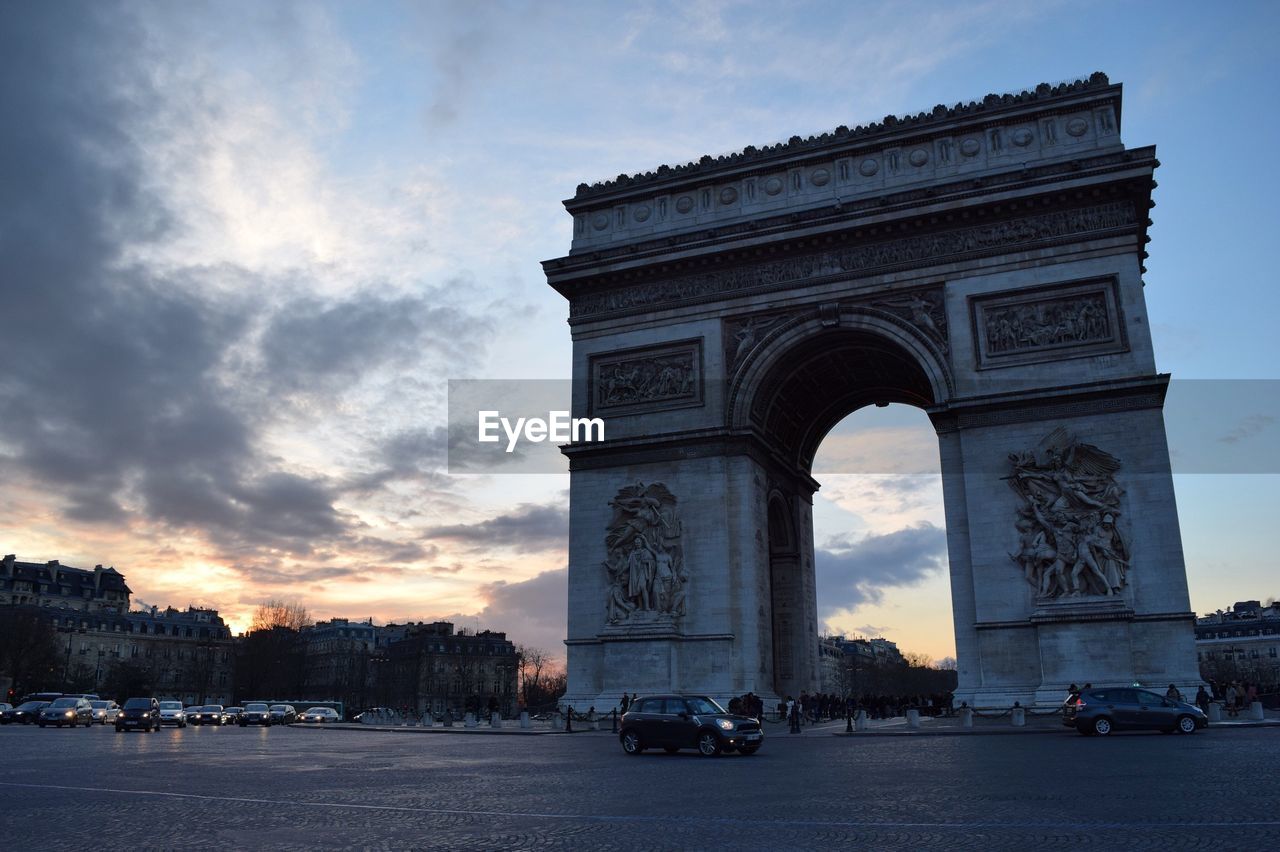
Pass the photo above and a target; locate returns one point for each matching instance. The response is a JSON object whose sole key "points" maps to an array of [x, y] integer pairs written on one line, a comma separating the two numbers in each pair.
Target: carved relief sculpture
{"points": [[645, 563], [861, 259], [1069, 544], [1047, 323], [924, 311], [666, 375]]}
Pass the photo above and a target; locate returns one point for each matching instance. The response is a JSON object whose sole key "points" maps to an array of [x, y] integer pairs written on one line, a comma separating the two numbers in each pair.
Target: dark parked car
{"points": [[66, 711], [255, 714], [139, 714], [284, 714], [673, 722], [209, 714], [233, 714], [1123, 708], [24, 714]]}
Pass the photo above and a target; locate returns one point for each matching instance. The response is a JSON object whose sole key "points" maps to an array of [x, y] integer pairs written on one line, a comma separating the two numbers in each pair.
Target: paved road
{"points": [[290, 788]]}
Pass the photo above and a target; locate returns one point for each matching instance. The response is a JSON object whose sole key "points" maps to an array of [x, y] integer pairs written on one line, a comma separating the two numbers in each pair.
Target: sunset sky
{"points": [[244, 246]]}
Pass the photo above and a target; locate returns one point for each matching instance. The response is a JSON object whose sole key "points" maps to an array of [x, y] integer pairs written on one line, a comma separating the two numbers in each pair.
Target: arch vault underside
{"points": [[983, 263]]}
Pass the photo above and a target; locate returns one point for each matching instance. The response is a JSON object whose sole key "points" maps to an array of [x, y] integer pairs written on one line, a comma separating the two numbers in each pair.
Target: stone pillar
{"points": [[470, 720], [495, 720], [1018, 716], [1256, 713], [1215, 711], [913, 719], [860, 723], [524, 719], [966, 717], [448, 719]]}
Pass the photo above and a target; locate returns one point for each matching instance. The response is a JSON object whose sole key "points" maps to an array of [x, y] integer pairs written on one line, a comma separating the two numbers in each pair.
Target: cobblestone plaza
{"points": [[291, 788]]}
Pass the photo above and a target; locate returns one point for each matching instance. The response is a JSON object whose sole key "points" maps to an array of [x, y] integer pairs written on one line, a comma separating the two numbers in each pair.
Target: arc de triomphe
{"points": [[981, 262]]}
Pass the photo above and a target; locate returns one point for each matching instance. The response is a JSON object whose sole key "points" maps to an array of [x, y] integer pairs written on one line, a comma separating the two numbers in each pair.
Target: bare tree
{"points": [[531, 666], [280, 613]]}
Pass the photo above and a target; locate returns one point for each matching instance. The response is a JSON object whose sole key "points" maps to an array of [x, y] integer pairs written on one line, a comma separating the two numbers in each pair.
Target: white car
{"points": [[319, 714], [172, 713], [105, 712]]}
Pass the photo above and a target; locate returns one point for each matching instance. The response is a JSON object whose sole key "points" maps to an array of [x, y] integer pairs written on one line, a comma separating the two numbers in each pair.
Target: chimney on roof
{"points": [[8, 564], [97, 578], [53, 566]]}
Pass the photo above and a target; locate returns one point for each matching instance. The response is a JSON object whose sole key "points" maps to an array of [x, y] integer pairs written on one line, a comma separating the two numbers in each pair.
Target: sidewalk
{"points": [[894, 727]]}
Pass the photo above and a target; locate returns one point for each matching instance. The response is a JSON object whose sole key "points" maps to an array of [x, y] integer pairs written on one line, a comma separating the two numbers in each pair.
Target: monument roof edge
{"points": [[708, 167]]}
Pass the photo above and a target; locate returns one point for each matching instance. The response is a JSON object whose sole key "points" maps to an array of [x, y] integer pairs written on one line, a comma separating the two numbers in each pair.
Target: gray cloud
{"points": [[529, 529], [852, 573], [114, 380], [320, 346], [533, 612]]}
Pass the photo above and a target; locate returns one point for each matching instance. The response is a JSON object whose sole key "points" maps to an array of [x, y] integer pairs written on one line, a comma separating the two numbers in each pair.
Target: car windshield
{"points": [[255, 708], [32, 705], [98, 705], [323, 711], [170, 705], [279, 706], [703, 705], [66, 702], [138, 704], [211, 708]]}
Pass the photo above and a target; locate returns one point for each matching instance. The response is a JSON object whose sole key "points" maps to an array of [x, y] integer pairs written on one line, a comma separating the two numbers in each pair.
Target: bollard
{"points": [[1215, 711], [1256, 712], [448, 718], [470, 720], [495, 719], [913, 719], [1018, 715], [860, 721], [524, 719], [966, 717]]}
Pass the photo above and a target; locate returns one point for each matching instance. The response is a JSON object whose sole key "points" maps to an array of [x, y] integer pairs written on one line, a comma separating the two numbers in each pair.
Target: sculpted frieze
{"points": [[652, 377], [860, 259], [1069, 541], [645, 556], [1030, 325]]}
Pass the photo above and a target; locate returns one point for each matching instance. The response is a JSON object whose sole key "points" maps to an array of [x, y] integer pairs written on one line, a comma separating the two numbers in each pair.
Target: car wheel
{"points": [[631, 742], [708, 744], [1102, 726], [748, 750], [1186, 725]]}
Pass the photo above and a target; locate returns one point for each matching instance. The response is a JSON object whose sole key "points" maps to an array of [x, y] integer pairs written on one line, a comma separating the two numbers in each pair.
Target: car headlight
{"points": [[725, 724], [71, 713]]}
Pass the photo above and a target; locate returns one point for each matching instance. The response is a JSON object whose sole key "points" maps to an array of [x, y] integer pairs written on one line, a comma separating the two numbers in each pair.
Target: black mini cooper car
{"points": [[673, 722]]}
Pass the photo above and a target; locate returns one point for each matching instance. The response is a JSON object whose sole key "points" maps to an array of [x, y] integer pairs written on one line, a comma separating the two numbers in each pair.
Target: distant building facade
{"points": [[187, 655], [51, 584], [428, 668], [1242, 643]]}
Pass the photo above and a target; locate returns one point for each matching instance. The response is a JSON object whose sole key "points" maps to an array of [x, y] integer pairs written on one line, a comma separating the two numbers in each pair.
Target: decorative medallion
{"points": [[1069, 544], [970, 147], [641, 213], [1022, 137], [1077, 126], [868, 167], [820, 177], [918, 157], [728, 195], [773, 186], [600, 221], [684, 204]]}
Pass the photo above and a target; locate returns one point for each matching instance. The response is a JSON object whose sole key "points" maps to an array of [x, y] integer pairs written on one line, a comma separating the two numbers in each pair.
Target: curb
{"points": [[1012, 731], [484, 732]]}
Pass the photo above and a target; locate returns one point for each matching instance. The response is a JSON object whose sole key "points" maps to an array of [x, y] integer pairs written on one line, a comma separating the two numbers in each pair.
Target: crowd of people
{"points": [[821, 707]]}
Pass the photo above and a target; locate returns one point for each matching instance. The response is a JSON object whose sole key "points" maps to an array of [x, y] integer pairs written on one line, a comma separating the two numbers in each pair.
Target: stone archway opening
{"points": [[812, 383]]}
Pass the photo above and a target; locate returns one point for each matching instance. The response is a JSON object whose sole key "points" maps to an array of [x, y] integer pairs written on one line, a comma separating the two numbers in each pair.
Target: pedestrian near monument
{"points": [[624, 703]]}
